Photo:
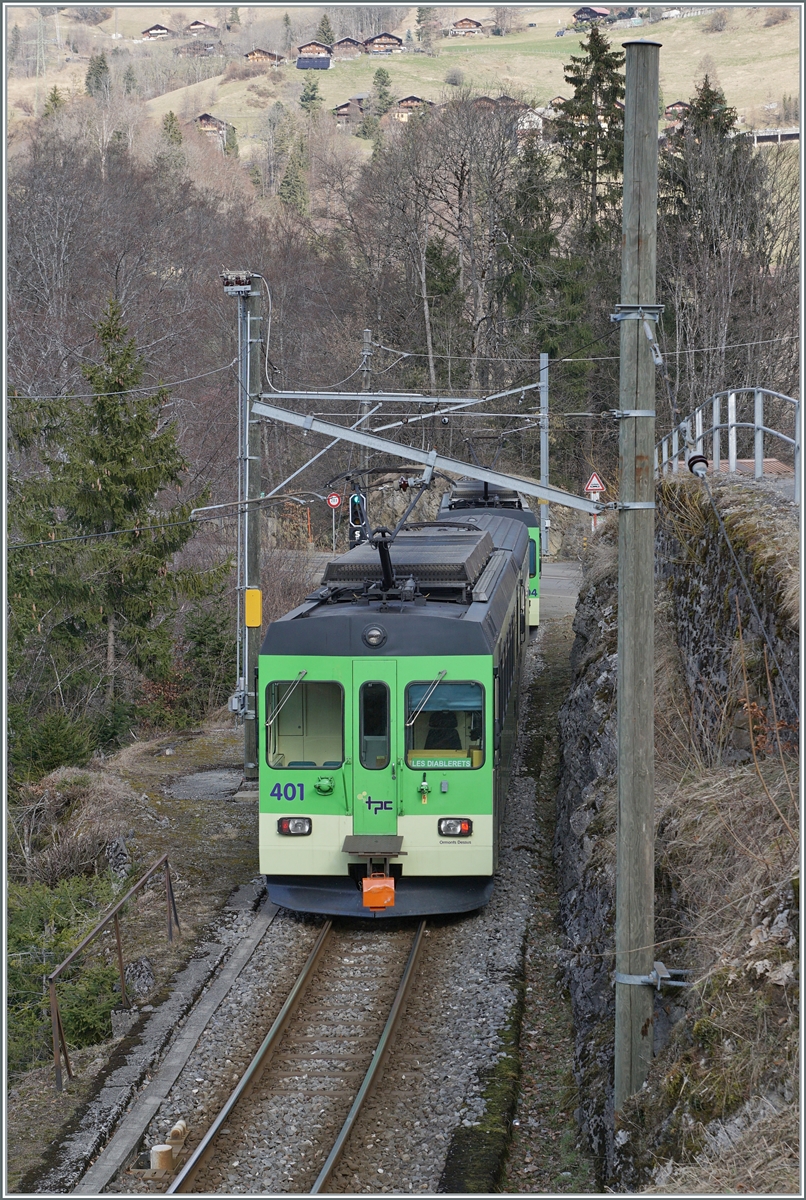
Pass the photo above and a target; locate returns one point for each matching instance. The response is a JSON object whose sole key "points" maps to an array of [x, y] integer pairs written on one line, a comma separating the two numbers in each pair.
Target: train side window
{"points": [[373, 708], [532, 559], [305, 724], [444, 725]]}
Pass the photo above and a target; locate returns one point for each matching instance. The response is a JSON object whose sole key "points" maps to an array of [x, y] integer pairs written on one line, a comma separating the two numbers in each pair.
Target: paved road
{"points": [[559, 589]]}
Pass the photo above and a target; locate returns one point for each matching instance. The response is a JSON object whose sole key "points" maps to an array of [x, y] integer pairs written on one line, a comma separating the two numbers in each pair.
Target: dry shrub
{"points": [[287, 576], [775, 16], [237, 69], [727, 848], [60, 826]]}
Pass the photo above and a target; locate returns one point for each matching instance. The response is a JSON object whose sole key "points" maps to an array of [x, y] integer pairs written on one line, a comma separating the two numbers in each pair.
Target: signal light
{"points": [[295, 826], [455, 826], [356, 516]]}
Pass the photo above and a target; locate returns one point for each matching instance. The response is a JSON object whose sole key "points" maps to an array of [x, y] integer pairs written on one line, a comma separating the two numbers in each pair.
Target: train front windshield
{"points": [[445, 725], [305, 724]]}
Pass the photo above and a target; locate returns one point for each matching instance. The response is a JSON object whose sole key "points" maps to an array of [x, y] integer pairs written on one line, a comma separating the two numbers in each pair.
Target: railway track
{"points": [[285, 1126]]}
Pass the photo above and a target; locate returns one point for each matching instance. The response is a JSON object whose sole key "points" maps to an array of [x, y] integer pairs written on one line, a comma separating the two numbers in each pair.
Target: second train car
{"points": [[388, 714], [472, 495]]}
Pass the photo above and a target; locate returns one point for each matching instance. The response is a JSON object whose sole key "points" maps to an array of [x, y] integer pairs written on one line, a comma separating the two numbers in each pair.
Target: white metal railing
{"points": [[703, 430]]}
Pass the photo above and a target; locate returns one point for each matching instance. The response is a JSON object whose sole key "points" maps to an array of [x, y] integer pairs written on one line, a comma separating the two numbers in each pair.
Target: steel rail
{"points": [[374, 1069], [184, 1180]]}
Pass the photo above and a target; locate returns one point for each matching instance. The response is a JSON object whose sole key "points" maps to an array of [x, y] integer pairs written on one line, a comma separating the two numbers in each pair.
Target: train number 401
{"points": [[289, 792]]}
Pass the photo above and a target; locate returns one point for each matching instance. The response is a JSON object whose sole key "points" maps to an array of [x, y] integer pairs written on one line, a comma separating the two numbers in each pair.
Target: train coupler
{"points": [[378, 891]]}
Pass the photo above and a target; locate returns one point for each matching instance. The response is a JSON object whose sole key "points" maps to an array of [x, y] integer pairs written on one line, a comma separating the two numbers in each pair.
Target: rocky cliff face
{"points": [[701, 665]]}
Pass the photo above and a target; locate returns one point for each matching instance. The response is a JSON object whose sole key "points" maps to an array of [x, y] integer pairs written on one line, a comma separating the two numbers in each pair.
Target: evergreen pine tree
{"points": [[234, 18], [83, 607], [98, 78], [382, 95], [368, 128], [231, 143], [171, 132], [325, 33], [288, 31], [54, 102], [129, 80], [14, 43], [590, 128], [310, 100], [293, 189]]}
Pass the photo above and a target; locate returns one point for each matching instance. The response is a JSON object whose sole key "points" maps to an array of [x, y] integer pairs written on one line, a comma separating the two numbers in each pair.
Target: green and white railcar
{"points": [[472, 495], [388, 716]]}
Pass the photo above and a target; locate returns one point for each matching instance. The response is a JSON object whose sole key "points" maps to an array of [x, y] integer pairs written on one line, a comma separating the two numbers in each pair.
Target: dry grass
{"points": [[763, 1156], [61, 825]]}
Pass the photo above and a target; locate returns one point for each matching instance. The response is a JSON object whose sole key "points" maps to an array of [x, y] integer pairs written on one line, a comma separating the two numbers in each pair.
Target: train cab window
{"points": [[373, 708], [305, 724], [532, 558], [445, 725]]}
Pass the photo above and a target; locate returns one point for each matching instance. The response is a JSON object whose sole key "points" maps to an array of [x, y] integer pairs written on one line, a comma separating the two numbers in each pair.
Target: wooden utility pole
{"points": [[637, 314]]}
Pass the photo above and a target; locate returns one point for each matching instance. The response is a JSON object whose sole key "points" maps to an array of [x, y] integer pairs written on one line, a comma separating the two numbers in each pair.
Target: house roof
{"points": [[347, 41], [589, 8], [201, 25], [467, 21], [314, 42], [209, 119], [386, 36], [156, 29]]}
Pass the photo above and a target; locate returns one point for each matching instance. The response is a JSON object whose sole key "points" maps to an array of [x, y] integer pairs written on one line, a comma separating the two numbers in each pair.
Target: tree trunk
{"points": [[110, 659], [427, 310]]}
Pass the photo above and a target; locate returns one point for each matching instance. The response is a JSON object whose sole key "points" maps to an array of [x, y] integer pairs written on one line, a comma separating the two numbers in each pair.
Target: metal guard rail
{"points": [[112, 915], [691, 441]]}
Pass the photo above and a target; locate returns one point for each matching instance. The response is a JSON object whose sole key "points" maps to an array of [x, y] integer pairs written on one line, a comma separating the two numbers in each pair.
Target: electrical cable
{"points": [[144, 387], [556, 361], [86, 537], [256, 275]]}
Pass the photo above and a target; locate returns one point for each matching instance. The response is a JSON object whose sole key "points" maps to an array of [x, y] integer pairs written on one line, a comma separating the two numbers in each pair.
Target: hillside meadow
{"points": [[755, 64]]}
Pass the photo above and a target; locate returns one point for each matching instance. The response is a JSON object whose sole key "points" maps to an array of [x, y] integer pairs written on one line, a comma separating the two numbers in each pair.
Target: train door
{"points": [[375, 746]]}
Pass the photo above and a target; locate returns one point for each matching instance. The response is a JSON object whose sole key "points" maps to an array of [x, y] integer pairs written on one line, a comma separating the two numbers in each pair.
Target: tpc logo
{"points": [[376, 806]]}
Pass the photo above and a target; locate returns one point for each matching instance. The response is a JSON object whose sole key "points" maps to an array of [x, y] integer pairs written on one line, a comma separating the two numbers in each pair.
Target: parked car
{"points": [[560, 33]]}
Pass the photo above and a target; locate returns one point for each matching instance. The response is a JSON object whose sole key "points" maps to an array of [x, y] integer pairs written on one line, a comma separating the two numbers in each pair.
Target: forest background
{"points": [[467, 245]]}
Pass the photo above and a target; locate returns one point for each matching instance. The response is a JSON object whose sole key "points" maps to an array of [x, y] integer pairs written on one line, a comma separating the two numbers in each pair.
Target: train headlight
{"points": [[454, 827], [374, 636], [295, 826]]}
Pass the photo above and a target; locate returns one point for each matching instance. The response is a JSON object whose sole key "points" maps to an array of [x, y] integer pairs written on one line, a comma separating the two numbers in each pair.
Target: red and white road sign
{"points": [[594, 484], [334, 500]]}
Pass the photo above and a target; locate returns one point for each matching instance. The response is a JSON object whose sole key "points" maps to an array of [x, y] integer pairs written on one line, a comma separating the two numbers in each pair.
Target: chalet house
{"points": [[213, 126], [314, 50], [556, 102], [384, 43], [258, 55], [201, 27], [466, 27], [198, 49], [591, 14], [676, 111], [350, 112], [157, 31], [348, 47], [320, 62], [408, 105]]}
